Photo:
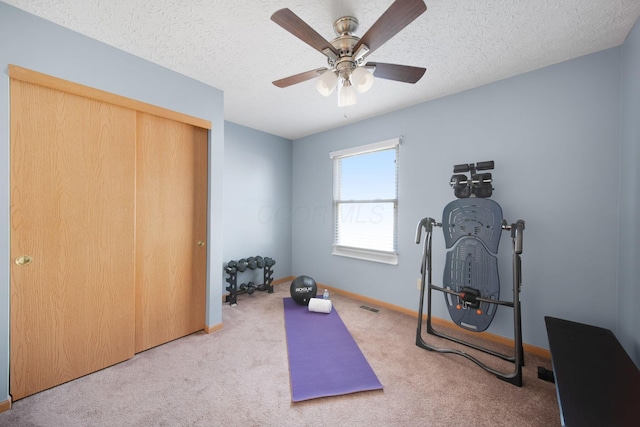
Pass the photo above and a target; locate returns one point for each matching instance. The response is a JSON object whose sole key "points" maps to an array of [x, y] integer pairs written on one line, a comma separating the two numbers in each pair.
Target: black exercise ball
{"points": [[303, 288]]}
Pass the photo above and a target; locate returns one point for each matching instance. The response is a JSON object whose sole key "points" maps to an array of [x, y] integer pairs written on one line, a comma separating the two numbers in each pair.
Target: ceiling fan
{"points": [[347, 67]]}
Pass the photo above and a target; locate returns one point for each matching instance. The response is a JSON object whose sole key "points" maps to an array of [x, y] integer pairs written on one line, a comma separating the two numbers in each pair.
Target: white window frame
{"points": [[386, 257]]}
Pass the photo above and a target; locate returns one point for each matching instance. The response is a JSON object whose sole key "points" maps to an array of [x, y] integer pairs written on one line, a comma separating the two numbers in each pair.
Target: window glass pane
{"points": [[366, 225], [368, 176]]}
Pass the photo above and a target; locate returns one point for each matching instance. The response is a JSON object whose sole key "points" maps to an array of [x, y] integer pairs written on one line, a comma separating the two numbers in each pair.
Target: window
{"points": [[365, 201]]}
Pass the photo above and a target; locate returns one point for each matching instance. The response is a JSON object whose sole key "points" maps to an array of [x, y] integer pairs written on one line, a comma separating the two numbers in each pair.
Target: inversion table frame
{"points": [[514, 377]]}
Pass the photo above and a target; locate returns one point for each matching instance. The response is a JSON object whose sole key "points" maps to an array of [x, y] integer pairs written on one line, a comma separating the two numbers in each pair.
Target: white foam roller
{"points": [[320, 305]]}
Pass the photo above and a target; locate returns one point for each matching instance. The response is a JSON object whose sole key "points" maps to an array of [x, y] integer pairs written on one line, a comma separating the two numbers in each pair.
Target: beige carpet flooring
{"points": [[239, 377]]}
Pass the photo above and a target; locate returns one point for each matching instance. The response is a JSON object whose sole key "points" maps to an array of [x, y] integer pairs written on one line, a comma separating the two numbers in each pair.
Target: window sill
{"points": [[366, 255]]}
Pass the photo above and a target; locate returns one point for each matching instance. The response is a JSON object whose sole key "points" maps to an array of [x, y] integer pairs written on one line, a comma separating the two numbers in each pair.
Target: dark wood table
{"points": [[597, 382]]}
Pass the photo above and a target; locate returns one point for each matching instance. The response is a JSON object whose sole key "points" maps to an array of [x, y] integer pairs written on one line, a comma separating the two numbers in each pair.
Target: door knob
{"points": [[24, 260], [200, 243]]}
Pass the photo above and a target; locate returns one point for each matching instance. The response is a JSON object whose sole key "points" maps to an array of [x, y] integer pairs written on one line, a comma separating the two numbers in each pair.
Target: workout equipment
{"points": [[477, 184], [248, 288], [252, 263], [242, 265], [472, 227], [471, 267], [302, 289]]}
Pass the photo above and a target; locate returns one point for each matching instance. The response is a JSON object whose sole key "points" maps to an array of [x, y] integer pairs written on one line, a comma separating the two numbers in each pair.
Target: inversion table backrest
{"points": [[472, 229]]}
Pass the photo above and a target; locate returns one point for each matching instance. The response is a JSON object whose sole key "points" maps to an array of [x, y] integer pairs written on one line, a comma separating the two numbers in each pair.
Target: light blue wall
{"points": [[257, 199], [629, 280], [554, 135], [34, 43]]}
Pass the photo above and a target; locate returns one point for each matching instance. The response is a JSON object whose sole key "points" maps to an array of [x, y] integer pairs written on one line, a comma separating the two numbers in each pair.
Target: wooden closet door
{"points": [[171, 230], [72, 213]]}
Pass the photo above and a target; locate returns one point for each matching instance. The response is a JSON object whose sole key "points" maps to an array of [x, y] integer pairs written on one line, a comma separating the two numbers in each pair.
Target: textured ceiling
{"points": [[234, 46]]}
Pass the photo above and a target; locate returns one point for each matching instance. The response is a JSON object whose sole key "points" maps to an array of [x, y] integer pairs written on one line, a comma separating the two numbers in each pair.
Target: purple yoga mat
{"points": [[324, 360]]}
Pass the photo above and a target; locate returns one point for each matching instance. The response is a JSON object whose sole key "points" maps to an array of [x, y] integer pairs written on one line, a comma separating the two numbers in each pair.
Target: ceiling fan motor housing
{"points": [[344, 44]]}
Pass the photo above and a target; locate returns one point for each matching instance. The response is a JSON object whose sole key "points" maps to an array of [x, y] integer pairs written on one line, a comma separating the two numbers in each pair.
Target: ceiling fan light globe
{"points": [[347, 95], [326, 83], [362, 79]]}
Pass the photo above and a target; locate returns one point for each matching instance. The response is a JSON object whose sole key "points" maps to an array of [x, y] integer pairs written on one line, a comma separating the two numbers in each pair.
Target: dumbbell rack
{"points": [[252, 263]]}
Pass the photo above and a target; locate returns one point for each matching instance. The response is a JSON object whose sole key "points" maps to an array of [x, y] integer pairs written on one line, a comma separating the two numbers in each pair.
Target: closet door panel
{"points": [[72, 214], [171, 211]]}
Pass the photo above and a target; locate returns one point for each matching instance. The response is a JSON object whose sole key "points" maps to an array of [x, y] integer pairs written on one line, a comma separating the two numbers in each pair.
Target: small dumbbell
{"points": [[251, 263], [260, 261], [269, 262], [242, 265], [251, 287]]}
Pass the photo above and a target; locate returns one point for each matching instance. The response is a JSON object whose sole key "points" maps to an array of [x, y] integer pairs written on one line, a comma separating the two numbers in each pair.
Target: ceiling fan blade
{"points": [[400, 14], [296, 26], [299, 78], [399, 73]]}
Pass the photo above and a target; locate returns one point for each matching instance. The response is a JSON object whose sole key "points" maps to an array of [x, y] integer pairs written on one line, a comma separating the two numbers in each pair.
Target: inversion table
{"points": [[472, 227]]}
